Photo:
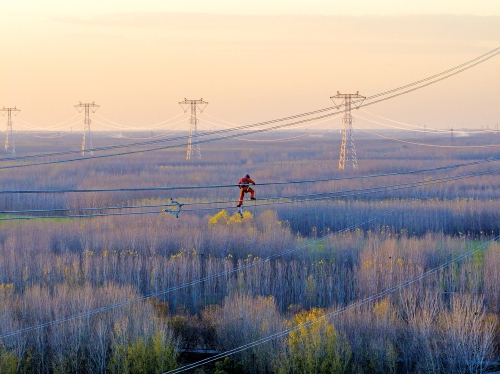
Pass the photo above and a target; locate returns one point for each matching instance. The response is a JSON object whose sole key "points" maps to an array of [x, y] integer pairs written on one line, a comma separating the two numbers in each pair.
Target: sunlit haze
{"points": [[255, 62]]}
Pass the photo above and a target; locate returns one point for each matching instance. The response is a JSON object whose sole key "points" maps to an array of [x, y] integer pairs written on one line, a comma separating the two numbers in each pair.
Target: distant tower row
{"points": [[193, 124], [348, 157], [87, 139]]}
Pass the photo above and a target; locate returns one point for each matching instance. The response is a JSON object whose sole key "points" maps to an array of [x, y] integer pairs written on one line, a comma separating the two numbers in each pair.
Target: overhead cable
{"points": [[170, 188], [45, 128], [142, 127], [427, 144], [200, 280], [324, 317], [474, 62], [277, 200], [422, 129], [478, 60], [184, 137], [204, 279]]}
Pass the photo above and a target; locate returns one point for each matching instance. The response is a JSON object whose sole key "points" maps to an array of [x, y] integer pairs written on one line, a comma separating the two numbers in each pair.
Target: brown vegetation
{"points": [[52, 269]]}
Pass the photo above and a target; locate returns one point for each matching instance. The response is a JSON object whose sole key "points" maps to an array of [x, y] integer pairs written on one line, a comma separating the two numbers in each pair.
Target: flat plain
{"points": [[388, 268]]}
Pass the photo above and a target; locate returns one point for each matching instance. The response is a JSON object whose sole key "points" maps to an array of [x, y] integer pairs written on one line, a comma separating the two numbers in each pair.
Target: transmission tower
{"points": [[348, 157], [193, 123], [87, 140], [9, 138]]}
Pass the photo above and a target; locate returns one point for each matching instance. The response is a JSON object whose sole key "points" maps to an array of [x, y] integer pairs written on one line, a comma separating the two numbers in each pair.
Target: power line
{"points": [[34, 127], [158, 136], [337, 312], [153, 142], [238, 269], [427, 144], [142, 127], [491, 53], [243, 127], [170, 188], [478, 60], [426, 129], [288, 128], [436, 131], [61, 135], [200, 280], [165, 133], [399, 127], [207, 278], [278, 200], [53, 134]]}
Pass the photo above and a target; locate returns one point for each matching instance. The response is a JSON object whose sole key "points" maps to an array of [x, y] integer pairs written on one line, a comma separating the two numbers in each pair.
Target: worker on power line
{"points": [[244, 185]]}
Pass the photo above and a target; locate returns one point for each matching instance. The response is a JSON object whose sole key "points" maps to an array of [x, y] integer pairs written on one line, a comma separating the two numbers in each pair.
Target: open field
{"points": [[211, 279]]}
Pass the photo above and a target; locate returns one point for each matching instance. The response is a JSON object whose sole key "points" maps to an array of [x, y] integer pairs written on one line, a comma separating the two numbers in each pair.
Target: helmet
{"points": [[248, 175]]}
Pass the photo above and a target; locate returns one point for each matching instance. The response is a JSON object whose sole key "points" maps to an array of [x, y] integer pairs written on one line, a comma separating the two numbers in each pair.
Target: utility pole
{"points": [[348, 157], [193, 123], [87, 140], [9, 138]]}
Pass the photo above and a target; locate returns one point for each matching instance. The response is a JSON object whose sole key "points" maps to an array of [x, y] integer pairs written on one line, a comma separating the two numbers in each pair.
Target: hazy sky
{"points": [[251, 61]]}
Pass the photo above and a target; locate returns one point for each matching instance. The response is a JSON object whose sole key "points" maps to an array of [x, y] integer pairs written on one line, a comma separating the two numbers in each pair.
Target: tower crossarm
{"points": [[188, 103], [345, 96], [87, 105], [11, 110]]}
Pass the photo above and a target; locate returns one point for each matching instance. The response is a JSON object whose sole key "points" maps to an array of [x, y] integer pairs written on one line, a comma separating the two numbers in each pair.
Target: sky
{"points": [[251, 61]]}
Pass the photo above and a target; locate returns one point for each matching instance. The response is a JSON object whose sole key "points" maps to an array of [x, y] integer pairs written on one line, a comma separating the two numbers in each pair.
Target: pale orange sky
{"points": [[250, 65]]}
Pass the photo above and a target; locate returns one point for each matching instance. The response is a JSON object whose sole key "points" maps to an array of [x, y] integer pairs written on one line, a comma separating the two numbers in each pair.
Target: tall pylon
{"points": [[9, 138], [348, 157], [87, 140], [193, 123]]}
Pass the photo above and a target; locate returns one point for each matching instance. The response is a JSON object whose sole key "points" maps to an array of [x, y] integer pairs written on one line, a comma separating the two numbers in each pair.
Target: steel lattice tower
{"points": [[348, 157], [87, 140], [193, 124], [9, 138]]}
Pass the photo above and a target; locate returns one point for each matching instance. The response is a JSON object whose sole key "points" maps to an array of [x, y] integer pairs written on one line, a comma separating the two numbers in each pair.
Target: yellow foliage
{"points": [[6, 289], [221, 217], [178, 255], [382, 308], [269, 220], [316, 347], [8, 362], [236, 218], [306, 316], [367, 263], [150, 355], [26, 273], [247, 216]]}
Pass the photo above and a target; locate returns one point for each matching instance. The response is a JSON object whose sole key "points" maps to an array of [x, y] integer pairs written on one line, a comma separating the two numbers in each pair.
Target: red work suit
{"points": [[244, 188]]}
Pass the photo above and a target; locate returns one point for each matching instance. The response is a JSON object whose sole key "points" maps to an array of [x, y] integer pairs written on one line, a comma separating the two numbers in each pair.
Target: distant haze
{"points": [[138, 65]]}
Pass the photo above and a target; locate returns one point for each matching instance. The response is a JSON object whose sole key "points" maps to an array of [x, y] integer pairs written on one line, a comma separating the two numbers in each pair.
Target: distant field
{"points": [[215, 280]]}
